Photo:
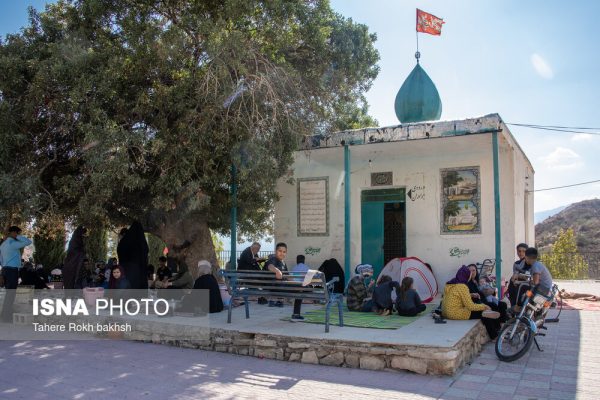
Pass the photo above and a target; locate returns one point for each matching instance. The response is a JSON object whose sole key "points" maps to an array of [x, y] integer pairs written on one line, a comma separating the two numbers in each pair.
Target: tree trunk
{"points": [[187, 238]]}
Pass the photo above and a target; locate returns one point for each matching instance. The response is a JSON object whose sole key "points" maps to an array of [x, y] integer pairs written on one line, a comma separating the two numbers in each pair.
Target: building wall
{"points": [[415, 165]]}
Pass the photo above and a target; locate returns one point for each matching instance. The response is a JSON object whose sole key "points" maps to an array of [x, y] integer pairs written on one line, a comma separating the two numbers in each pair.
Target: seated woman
{"points": [[408, 302], [180, 284], [358, 293], [480, 297], [118, 283], [382, 295], [29, 277], [204, 280], [458, 305]]}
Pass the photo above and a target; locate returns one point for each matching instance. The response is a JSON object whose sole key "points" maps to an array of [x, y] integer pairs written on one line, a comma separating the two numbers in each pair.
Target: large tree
{"points": [[122, 110]]}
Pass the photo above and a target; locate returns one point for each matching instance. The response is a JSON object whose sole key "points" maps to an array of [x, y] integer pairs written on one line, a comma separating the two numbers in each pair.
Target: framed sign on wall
{"points": [[461, 200], [313, 206]]}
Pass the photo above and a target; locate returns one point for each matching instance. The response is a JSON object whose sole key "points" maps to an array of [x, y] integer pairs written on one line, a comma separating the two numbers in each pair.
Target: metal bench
{"points": [[243, 284]]}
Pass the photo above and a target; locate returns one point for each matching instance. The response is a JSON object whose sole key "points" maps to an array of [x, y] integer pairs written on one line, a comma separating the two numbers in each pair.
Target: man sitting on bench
{"points": [[276, 264]]}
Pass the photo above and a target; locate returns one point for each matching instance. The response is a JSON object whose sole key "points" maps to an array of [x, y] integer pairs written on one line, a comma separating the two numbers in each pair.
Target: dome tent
{"points": [[424, 281]]}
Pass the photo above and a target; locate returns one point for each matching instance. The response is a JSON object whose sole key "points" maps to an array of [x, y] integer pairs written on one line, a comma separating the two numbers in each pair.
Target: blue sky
{"points": [[531, 62]]}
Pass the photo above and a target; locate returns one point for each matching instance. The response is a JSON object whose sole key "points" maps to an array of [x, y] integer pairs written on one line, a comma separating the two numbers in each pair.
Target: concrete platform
{"points": [[422, 347]]}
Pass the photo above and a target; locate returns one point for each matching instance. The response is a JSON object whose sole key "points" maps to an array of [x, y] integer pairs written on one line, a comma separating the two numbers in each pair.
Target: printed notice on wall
{"points": [[313, 206]]}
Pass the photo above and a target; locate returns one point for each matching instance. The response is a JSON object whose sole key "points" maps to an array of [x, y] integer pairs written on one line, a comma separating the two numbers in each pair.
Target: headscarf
{"points": [[112, 282], [181, 270], [462, 276], [133, 256], [476, 277], [364, 268], [74, 258], [203, 268]]}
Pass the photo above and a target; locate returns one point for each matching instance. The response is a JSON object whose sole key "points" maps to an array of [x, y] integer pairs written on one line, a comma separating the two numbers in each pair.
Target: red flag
{"points": [[429, 23]]}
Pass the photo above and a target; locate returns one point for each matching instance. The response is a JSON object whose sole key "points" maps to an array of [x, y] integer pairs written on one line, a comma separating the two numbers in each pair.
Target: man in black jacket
{"points": [[249, 258]]}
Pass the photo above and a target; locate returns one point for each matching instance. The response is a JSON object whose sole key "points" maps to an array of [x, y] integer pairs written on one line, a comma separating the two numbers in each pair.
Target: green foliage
{"points": [[122, 110], [96, 244], [219, 246], [583, 218], [452, 178], [49, 242], [452, 209], [155, 247], [564, 260]]}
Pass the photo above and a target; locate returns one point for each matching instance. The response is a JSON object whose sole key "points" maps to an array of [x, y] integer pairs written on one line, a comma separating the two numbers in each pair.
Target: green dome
{"points": [[418, 99]]}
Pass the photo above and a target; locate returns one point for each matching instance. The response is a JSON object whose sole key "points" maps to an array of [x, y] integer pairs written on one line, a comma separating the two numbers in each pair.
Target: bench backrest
{"points": [[263, 283]]}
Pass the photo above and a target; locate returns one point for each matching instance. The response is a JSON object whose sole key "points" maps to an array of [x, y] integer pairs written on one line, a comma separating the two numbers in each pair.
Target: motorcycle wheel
{"points": [[511, 349]]}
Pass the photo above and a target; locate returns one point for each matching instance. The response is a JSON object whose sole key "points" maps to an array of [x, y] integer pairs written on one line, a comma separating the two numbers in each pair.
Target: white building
{"points": [[421, 189]]}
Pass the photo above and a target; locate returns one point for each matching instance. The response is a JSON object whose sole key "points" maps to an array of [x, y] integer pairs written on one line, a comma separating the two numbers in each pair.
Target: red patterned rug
{"points": [[579, 301]]}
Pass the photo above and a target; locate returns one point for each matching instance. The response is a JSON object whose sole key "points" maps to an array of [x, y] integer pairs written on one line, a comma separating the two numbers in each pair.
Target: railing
{"points": [[591, 259], [225, 255]]}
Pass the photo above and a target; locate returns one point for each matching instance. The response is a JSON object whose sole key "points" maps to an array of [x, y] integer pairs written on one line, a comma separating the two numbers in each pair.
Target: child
{"points": [[486, 288], [408, 302], [276, 264], [382, 295]]}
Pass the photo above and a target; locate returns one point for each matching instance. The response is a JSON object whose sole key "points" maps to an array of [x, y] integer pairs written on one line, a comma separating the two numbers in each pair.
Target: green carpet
{"points": [[362, 319]]}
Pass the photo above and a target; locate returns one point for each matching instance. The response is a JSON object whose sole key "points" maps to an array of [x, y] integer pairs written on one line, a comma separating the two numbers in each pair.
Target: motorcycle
{"points": [[518, 334]]}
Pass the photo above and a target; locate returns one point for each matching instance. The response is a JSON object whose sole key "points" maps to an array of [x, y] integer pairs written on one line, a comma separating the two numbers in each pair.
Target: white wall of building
{"points": [[414, 163]]}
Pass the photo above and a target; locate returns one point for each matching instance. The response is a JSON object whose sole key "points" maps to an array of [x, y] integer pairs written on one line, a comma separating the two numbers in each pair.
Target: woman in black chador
{"points": [[74, 258], [133, 256]]}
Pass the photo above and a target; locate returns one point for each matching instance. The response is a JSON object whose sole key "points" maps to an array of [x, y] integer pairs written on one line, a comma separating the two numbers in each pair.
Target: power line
{"points": [[566, 186], [553, 126], [565, 129]]}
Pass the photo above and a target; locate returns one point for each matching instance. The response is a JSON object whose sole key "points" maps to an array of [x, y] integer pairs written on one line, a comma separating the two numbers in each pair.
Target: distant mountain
{"points": [[583, 217], [542, 215]]}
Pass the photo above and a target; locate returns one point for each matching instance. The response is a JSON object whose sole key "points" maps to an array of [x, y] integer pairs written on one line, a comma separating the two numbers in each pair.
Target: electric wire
{"points": [[554, 128], [566, 186]]}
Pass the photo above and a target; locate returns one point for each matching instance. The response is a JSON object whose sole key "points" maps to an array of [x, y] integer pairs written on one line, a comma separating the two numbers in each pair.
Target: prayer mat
{"points": [[362, 319]]}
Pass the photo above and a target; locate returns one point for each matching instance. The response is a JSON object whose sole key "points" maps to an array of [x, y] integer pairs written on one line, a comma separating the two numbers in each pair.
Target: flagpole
{"points": [[417, 54]]}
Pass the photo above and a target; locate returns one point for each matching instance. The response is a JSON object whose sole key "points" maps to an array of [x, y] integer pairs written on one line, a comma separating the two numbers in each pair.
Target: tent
{"points": [[424, 281]]}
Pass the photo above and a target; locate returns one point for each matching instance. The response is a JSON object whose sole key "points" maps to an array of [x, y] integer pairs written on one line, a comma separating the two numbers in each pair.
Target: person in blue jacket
{"points": [[10, 259]]}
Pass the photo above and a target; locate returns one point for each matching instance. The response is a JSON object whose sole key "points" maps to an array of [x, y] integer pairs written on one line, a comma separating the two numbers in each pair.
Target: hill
{"points": [[583, 217], [542, 215]]}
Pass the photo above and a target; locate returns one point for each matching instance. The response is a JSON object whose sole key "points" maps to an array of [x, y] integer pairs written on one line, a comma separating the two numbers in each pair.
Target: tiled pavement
{"points": [[567, 369]]}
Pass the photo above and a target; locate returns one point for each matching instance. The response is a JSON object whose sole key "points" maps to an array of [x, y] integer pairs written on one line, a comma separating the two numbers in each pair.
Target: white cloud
{"points": [[541, 66], [562, 159], [582, 137]]}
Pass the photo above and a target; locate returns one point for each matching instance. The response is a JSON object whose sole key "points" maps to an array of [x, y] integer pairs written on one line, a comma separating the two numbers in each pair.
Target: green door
{"points": [[383, 233], [372, 234]]}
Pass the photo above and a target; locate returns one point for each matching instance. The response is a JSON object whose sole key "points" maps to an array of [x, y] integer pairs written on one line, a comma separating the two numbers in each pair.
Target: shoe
{"points": [[262, 300], [385, 312], [490, 314], [296, 318]]}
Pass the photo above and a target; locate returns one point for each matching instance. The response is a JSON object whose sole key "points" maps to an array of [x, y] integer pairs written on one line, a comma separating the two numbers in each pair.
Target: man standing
{"points": [[10, 259], [249, 258]]}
